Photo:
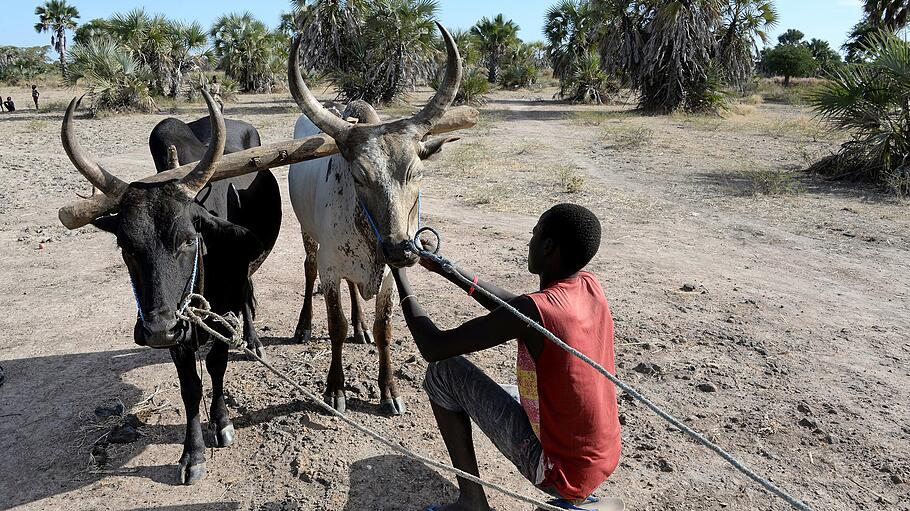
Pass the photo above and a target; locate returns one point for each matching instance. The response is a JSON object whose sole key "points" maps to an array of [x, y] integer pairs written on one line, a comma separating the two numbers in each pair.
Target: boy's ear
{"points": [[110, 223]]}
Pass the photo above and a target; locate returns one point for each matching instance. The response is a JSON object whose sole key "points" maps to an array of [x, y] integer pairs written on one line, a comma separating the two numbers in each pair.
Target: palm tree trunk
{"points": [[61, 49]]}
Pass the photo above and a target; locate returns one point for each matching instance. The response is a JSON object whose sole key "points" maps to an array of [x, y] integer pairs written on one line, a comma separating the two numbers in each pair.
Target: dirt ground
{"points": [[727, 270]]}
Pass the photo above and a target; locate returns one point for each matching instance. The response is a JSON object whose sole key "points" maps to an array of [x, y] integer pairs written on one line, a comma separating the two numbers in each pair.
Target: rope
{"points": [[449, 267], [234, 326]]}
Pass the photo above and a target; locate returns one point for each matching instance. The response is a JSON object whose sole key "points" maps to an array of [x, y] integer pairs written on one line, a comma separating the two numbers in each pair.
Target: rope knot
{"points": [[198, 314]]}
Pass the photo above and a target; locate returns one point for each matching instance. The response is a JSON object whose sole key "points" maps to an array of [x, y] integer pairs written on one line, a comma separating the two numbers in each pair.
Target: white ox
{"points": [[379, 172]]}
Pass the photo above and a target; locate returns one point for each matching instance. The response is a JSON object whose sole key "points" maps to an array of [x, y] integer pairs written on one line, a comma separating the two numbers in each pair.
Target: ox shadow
{"points": [[210, 506], [48, 403], [394, 482]]}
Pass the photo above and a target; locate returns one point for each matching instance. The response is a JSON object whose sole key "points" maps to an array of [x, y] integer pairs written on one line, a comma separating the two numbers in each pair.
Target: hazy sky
{"points": [[824, 19]]}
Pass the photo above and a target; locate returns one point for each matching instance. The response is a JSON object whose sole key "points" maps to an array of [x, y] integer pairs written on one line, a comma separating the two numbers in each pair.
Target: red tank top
{"points": [[571, 406]]}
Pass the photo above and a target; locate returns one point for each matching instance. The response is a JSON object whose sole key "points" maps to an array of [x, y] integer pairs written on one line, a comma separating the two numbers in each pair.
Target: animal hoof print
{"points": [[225, 437], [336, 401], [190, 474], [392, 407]]}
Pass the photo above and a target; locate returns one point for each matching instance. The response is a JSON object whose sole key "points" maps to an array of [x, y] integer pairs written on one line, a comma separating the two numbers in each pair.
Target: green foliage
{"points": [[521, 67], [474, 87], [494, 38], [791, 37], [709, 95], [56, 17], [871, 102], [790, 60], [828, 60], [745, 24], [571, 29], [22, 64], [114, 78], [249, 52], [588, 82], [373, 51]]}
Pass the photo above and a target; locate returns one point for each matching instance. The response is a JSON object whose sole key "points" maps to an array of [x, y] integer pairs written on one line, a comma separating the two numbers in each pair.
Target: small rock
{"points": [[886, 468], [830, 439], [707, 387], [804, 408], [664, 466], [109, 410], [123, 434], [622, 420], [897, 479], [648, 368], [688, 288], [807, 423]]}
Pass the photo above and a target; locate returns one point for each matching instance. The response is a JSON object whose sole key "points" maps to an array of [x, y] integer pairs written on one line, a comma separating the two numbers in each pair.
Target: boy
{"points": [[35, 95], [562, 430]]}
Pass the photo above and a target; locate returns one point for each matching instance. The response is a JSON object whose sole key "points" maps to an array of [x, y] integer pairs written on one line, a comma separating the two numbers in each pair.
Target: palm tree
{"points": [[888, 14], [745, 24], [56, 17], [494, 38], [570, 27], [248, 51]]}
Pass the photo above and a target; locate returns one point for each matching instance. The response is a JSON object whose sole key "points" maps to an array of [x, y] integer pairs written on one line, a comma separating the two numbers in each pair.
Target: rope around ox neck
{"points": [[449, 268], [234, 325]]}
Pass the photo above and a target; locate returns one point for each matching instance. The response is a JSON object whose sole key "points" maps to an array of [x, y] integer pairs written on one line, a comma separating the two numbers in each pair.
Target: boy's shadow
{"points": [[394, 482]]}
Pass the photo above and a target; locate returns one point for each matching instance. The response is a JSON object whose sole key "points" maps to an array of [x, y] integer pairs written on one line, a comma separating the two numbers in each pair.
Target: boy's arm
{"points": [[497, 327], [487, 303]]}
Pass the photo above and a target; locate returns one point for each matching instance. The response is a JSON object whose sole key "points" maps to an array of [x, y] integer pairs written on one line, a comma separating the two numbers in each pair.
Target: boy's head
{"points": [[565, 239]]}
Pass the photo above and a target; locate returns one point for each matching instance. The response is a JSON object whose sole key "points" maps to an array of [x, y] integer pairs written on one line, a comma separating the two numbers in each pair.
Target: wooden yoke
{"points": [[278, 154]]}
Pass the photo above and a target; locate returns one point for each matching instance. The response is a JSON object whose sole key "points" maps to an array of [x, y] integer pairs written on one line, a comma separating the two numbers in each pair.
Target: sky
{"points": [[824, 19]]}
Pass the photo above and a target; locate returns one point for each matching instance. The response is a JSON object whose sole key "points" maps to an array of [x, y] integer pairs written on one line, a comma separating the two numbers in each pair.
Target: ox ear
{"points": [[226, 237], [431, 148], [109, 223]]}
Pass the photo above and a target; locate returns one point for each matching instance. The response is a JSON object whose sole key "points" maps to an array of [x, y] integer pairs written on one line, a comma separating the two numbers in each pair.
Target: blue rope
{"points": [[449, 268], [372, 223]]}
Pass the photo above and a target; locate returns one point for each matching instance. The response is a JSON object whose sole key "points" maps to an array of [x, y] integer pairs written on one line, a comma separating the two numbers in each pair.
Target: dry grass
{"points": [[751, 182], [568, 179], [624, 136], [595, 117], [741, 109]]}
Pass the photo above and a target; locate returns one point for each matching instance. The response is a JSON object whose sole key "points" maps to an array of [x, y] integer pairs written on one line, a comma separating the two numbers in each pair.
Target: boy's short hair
{"points": [[576, 230]]}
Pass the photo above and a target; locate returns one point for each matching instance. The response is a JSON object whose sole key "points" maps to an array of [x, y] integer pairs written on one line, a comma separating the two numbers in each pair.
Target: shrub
{"points": [[869, 101], [474, 87], [114, 79], [588, 82]]}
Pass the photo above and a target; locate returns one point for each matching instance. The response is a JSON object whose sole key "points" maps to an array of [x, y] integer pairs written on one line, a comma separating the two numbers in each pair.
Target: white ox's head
{"points": [[385, 157]]}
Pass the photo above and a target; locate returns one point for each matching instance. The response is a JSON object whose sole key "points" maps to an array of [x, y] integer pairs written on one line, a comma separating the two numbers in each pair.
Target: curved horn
{"points": [[436, 108], [205, 169], [323, 119], [100, 178]]}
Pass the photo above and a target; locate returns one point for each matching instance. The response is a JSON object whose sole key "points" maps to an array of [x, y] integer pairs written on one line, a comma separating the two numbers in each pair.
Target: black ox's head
{"points": [[385, 158], [162, 232]]}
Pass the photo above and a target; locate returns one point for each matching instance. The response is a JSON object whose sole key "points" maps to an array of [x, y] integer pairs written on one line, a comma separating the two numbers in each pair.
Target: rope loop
{"points": [[198, 314]]}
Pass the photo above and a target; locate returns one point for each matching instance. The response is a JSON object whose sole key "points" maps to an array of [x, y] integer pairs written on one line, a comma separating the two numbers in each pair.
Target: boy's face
{"points": [[538, 248]]}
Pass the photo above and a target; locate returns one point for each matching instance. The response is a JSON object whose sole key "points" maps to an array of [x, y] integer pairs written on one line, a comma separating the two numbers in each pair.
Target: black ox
{"points": [[189, 235]]}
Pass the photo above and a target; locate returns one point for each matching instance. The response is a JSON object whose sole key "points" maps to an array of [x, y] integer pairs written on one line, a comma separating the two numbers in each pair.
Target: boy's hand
{"points": [[431, 265]]}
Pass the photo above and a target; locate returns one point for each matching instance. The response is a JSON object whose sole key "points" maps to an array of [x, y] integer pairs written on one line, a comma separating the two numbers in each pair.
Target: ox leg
{"points": [[191, 467], [361, 333], [338, 332], [216, 363], [304, 329], [249, 330], [390, 402]]}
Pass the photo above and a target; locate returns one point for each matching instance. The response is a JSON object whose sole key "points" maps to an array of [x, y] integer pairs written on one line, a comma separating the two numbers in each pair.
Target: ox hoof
{"points": [[393, 406], [225, 437], [363, 338], [303, 336], [190, 474], [336, 401]]}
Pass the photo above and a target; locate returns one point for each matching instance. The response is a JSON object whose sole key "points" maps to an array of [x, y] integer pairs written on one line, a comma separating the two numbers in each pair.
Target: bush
{"points": [[707, 96], [517, 76], [114, 79], [474, 87], [588, 82], [869, 101]]}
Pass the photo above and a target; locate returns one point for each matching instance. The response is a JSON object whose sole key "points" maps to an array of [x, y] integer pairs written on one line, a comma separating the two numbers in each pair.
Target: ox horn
{"points": [[436, 108], [109, 184], [333, 126], [205, 169]]}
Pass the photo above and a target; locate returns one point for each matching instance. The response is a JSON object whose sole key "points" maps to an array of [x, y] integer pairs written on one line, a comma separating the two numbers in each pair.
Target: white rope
{"points": [[450, 268], [234, 326]]}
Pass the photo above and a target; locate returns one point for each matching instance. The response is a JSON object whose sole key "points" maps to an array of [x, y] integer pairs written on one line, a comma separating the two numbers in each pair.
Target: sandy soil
{"points": [[792, 306]]}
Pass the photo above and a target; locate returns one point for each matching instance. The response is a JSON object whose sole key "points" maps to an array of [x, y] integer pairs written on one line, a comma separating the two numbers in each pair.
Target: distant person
{"points": [[215, 91], [35, 95], [10, 106]]}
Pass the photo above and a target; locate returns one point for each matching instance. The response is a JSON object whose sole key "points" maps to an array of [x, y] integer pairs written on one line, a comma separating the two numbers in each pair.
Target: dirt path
{"points": [[792, 307]]}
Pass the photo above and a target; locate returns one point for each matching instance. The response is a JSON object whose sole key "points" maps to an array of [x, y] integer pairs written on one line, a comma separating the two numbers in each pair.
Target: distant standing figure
{"points": [[35, 95], [10, 106], [215, 91]]}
